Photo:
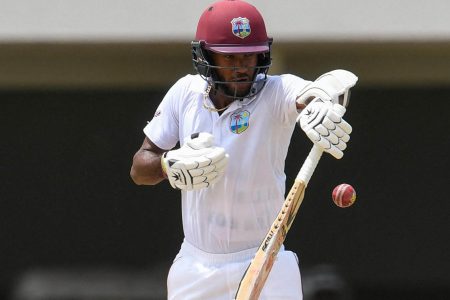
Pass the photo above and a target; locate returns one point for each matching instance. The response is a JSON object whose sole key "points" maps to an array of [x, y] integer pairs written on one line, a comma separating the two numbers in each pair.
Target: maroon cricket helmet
{"points": [[233, 26]]}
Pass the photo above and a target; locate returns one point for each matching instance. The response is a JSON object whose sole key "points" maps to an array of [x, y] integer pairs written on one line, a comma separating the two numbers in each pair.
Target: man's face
{"points": [[237, 70]]}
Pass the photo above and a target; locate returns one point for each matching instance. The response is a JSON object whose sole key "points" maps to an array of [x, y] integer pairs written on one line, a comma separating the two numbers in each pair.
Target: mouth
{"points": [[243, 79], [242, 82]]}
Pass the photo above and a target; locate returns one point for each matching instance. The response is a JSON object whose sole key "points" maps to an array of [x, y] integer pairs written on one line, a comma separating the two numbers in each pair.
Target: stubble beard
{"points": [[233, 89]]}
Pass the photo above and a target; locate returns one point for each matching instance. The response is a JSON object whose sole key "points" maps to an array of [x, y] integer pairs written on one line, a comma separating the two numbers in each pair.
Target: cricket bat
{"points": [[257, 272]]}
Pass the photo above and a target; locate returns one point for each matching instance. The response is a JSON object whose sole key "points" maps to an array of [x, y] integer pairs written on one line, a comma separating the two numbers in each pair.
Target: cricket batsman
{"points": [[234, 123]]}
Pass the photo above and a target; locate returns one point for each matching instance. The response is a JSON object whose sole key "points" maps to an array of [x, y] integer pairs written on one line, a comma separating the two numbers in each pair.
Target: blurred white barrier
{"points": [[91, 284]]}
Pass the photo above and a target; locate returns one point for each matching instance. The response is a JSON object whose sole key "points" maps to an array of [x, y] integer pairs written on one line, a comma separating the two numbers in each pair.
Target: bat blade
{"points": [[256, 274]]}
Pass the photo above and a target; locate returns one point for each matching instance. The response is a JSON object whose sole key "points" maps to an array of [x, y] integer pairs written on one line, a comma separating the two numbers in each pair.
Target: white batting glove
{"points": [[197, 164], [322, 122], [334, 86]]}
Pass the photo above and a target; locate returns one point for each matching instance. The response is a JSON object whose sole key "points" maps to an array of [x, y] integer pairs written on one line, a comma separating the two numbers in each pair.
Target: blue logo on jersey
{"points": [[239, 121], [241, 27]]}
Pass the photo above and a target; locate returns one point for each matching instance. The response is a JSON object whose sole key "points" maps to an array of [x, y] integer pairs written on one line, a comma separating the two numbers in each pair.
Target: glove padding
{"points": [[197, 164], [334, 86], [322, 122]]}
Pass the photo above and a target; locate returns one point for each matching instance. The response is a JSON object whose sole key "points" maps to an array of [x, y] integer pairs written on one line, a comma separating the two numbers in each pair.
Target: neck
{"points": [[219, 98], [220, 104]]}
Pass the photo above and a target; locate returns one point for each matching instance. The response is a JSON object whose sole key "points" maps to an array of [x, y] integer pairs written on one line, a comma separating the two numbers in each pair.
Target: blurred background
{"points": [[80, 79]]}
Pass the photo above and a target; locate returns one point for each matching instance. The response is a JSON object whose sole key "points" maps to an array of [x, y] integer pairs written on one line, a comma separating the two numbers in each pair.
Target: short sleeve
{"points": [[163, 129], [289, 87]]}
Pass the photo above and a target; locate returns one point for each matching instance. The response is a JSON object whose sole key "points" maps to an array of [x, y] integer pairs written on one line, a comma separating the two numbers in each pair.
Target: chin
{"points": [[240, 91]]}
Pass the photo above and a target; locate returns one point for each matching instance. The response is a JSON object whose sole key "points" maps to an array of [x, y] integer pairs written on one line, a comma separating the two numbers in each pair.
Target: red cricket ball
{"points": [[344, 195]]}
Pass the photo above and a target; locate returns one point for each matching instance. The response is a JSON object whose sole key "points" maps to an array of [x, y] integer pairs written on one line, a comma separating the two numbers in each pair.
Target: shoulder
{"points": [[185, 92], [190, 83], [284, 89], [284, 80]]}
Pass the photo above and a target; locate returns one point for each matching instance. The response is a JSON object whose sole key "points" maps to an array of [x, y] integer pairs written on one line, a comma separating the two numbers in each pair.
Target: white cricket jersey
{"points": [[235, 213]]}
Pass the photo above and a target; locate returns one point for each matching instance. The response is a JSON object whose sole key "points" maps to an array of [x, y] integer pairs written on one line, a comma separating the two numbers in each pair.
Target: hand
{"points": [[322, 122], [197, 164], [334, 86]]}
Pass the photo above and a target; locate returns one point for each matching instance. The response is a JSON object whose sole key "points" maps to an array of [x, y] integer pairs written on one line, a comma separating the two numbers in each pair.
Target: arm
{"points": [[334, 86], [197, 164], [146, 168], [322, 104]]}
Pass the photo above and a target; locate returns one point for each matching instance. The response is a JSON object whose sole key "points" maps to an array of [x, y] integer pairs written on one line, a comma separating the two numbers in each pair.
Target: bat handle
{"points": [[310, 164]]}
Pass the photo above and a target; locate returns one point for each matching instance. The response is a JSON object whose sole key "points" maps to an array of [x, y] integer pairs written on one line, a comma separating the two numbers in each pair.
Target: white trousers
{"points": [[197, 275]]}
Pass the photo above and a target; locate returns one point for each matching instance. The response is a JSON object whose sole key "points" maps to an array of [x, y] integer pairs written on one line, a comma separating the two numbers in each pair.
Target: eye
{"points": [[250, 57]]}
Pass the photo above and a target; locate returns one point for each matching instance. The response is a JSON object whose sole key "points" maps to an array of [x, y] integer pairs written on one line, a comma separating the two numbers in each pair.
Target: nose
{"points": [[241, 64]]}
